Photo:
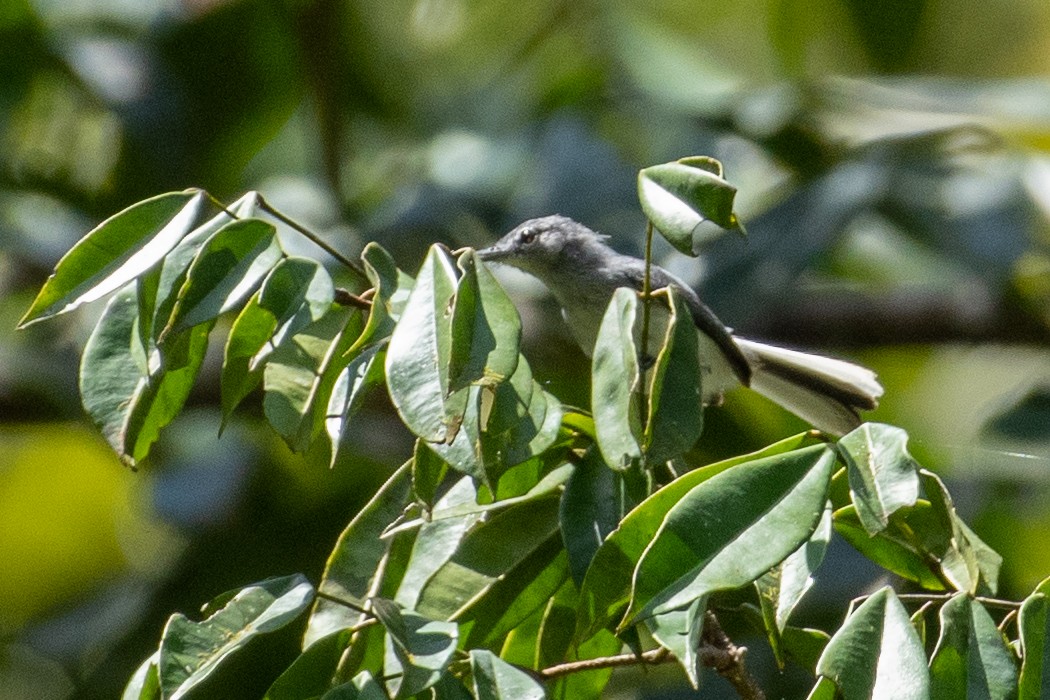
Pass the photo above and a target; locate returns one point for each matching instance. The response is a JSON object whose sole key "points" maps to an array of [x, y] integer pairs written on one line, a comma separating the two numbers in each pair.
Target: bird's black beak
{"points": [[494, 253]]}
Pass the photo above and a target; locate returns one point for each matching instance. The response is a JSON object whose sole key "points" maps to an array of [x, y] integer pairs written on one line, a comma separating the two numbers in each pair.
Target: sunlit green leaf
{"points": [[421, 647], [191, 651], [679, 631], [495, 679], [882, 475], [487, 553], [1034, 624], [730, 529], [876, 654], [486, 329], [145, 682], [227, 269], [417, 358], [361, 375], [969, 563], [301, 373], [253, 327], [680, 197], [392, 288], [971, 658], [114, 253], [353, 562], [607, 585]]}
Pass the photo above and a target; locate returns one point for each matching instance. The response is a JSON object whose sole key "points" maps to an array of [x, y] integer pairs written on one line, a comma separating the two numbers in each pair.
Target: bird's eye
{"points": [[527, 235]]}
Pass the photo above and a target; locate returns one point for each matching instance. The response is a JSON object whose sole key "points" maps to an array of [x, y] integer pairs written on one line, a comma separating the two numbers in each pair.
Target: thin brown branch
{"points": [[719, 653], [651, 657], [345, 297]]}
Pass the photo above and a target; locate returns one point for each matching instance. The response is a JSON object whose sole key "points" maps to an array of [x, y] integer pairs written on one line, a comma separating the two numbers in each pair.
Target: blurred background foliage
{"points": [[892, 160]]}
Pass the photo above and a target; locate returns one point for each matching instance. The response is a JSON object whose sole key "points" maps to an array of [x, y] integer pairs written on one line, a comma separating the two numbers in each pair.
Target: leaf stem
{"points": [[313, 238], [651, 657], [345, 603], [944, 597], [644, 350]]}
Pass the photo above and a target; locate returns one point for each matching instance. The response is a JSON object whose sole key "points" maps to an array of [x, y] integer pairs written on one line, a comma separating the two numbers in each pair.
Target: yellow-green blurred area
{"points": [[893, 165]]}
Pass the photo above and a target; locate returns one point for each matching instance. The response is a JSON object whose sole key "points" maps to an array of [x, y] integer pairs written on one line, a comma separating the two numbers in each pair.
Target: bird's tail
{"points": [[825, 392]]}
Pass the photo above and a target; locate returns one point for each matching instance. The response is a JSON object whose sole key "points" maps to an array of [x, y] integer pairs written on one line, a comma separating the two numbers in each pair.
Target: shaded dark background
{"points": [[893, 173]]}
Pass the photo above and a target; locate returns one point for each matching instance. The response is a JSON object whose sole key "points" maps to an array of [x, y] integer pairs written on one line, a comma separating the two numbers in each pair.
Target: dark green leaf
{"points": [[352, 566], [615, 383], [607, 584], [883, 477], [966, 561], [676, 412], [495, 679], [876, 653], [121, 248], [191, 651], [780, 589], [680, 197], [362, 687], [428, 471], [730, 529], [589, 511], [486, 329], [311, 674], [971, 659], [228, 269], [145, 682], [1034, 624], [417, 359], [422, 647], [908, 547], [301, 373]]}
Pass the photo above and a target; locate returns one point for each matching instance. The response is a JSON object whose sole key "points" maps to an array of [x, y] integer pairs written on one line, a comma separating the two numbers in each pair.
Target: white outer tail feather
{"points": [[825, 392]]}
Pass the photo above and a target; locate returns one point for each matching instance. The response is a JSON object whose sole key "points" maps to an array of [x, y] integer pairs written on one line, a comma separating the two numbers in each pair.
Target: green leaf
{"points": [[615, 382], [121, 248], [679, 631], [437, 541], [301, 374], [177, 263], [253, 327], [589, 511], [1034, 624], [351, 568], [363, 373], [417, 359], [876, 654], [392, 289], [486, 554], [422, 648], [971, 659], [909, 546], [495, 679], [131, 392], [428, 472], [192, 651], [311, 674], [883, 477], [227, 269], [503, 426], [676, 411], [362, 687], [823, 689], [680, 197], [607, 585], [781, 589], [730, 529], [966, 561], [145, 682], [587, 685], [486, 329]]}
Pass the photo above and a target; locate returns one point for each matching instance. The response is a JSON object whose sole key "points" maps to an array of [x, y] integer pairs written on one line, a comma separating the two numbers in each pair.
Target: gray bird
{"points": [[582, 272]]}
